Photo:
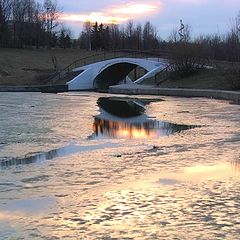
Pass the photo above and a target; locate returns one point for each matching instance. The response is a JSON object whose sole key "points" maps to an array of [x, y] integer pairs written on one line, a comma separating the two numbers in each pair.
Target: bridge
{"points": [[106, 73], [100, 71]]}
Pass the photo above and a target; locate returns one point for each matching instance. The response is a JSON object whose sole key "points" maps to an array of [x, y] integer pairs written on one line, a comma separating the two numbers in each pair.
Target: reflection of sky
{"points": [[199, 173], [205, 16], [218, 171], [25, 206]]}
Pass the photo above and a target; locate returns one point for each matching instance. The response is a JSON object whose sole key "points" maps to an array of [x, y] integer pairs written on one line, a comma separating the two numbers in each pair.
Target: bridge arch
{"points": [[113, 74]]}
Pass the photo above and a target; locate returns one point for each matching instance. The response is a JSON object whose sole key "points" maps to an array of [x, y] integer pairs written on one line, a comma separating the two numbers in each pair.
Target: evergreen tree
{"points": [[62, 40]]}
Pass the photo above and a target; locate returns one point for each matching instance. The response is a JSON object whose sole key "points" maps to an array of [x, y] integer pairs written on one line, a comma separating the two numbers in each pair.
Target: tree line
{"points": [[31, 23], [143, 37], [214, 46], [26, 23], [112, 36]]}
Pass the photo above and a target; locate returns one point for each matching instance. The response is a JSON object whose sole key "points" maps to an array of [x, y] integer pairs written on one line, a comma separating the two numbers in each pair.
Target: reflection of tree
{"points": [[172, 128], [147, 129], [236, 165], [39, 157], [31, 159]]}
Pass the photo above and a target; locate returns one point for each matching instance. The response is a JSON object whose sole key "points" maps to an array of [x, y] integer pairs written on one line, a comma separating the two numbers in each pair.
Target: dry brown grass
{"points": [[29, 67], [205, 79]]}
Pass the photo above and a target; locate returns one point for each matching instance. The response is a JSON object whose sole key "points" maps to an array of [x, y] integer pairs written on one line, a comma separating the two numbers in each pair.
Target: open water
{"points": [[95, 166]]}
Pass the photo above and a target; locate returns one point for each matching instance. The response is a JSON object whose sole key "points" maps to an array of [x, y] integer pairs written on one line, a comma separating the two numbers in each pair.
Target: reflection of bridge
{"points": [[133, 123], [106, 73]]}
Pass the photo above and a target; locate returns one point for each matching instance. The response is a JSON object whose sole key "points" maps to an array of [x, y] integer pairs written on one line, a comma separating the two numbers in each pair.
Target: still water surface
{"points": [[72, 166]]}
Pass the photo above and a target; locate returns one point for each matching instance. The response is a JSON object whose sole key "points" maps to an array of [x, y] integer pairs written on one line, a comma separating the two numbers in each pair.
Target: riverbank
{"points": [[134, 89], [233, 96], [218, 78], [35, 88]]}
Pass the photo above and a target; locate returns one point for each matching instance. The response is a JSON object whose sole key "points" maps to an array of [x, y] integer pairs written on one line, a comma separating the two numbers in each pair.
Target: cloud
{"points": [[135, 8], [114, 14], [195, 2], [92, 17]]}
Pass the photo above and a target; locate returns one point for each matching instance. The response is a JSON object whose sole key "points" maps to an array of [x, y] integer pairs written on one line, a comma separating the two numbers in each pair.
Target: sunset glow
{"points": [[92, 17], [115, 14], [163, 14]]}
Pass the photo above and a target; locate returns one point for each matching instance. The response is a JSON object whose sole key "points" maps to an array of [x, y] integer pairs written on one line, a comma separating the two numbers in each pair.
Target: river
{"points": [[98, 166]]}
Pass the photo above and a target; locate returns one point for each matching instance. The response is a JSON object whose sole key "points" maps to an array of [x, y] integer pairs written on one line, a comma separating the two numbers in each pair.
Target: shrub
{"points": [[187, 59], [232, 75]]}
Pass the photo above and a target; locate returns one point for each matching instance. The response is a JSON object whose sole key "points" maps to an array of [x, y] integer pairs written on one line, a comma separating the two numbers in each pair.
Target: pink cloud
{"points": [[115, 14]]}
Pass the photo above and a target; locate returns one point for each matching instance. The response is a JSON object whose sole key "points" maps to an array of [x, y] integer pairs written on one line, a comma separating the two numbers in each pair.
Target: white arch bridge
{"points": [[115, 71]]}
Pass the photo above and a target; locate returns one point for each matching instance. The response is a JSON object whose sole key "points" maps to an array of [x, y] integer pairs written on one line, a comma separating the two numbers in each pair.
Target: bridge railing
{"points": [[107, 55], [174, 65], [163, 75]]}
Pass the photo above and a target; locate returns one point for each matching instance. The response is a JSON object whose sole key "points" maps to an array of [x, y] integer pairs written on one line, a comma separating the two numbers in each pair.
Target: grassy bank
{"points": [[205, 79], [33, 67], [29, 67]]}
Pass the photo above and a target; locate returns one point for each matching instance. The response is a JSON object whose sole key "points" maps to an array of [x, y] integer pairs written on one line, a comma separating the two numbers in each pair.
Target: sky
{"points": [[204, 16]]}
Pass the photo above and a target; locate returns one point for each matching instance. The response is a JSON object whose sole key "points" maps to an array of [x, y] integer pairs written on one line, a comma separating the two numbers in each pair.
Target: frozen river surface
{"points": [[74, 166]]}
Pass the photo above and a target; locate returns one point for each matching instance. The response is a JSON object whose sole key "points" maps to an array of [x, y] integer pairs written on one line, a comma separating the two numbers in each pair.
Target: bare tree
{"points": [[149, 36], [5, 12], [26, 23], [232, 74], [129, 28], [51, 15], [39, 30], [85, 37], [138, 34], [116, 36], [187, 33], [19, 15], [129, 35], [174, 36]]}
